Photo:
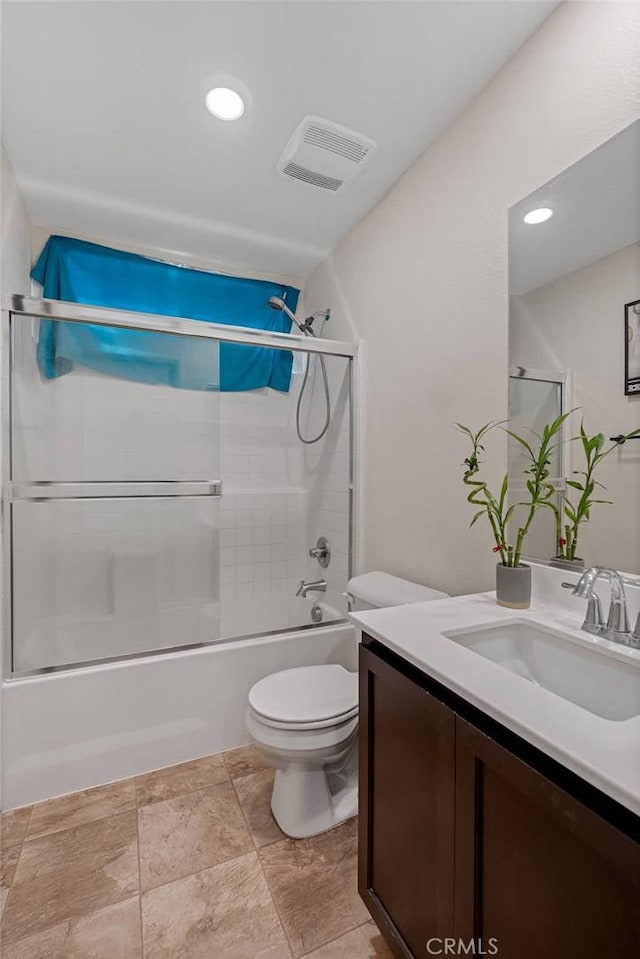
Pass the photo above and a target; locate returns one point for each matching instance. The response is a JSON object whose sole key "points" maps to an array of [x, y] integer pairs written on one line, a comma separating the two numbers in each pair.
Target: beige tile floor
{"points": [[182, 863]]}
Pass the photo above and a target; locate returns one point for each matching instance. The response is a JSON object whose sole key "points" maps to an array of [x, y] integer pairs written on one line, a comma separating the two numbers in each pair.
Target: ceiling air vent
{"points": [[325, 154]]}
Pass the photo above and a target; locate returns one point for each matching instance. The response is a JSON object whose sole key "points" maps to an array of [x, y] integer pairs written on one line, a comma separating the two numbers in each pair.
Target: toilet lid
{"points": [[307, 694]]}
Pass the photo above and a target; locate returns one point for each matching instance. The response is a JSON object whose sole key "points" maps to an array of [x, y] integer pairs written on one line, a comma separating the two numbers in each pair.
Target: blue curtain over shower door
{"points": [[76, 271]]}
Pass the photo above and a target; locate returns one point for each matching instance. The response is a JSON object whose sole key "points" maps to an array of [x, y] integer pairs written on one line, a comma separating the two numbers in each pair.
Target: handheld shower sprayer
{"points": [[306, 327], [278, 303]]}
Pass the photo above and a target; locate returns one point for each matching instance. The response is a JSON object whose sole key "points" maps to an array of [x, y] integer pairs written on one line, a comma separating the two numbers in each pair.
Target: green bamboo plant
{"points": [[578, 510], [540, 490]]}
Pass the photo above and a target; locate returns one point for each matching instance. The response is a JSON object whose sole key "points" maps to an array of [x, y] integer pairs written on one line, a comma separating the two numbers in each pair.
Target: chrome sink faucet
{"points": [[318, 586], [617, 628]]}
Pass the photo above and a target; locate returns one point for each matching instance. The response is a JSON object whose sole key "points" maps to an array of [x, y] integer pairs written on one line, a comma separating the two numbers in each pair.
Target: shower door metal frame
{"points": [[16, 306], [564, 380]]}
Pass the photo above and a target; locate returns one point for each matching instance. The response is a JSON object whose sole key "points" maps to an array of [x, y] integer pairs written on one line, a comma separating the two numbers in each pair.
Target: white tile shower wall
{"points": [[81, 427], [262, 545], [327, 475], [264, 509], [280, 496]]}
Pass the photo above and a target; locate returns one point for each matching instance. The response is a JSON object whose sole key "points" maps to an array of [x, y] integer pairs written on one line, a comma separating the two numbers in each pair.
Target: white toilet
{"points": [[304, 721]]}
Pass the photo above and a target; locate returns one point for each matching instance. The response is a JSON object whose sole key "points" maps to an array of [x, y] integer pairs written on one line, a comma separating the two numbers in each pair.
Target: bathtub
{"points": [[66, 731]]}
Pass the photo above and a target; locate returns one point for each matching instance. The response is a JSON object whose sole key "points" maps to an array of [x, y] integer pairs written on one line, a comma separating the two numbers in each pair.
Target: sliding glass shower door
{"points": [[117, 439], [114, 492]]}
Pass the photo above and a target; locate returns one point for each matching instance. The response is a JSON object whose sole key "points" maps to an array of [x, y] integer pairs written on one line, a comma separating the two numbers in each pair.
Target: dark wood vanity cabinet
{"points": [[464, 838], [407, 742]]}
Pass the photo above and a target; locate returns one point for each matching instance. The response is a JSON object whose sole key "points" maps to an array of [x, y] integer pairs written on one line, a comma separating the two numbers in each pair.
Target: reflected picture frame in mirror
{"points": [[632, 348]]}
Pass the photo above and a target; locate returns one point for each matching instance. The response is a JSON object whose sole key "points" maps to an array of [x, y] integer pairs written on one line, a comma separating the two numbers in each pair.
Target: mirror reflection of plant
{"points": [[579, 511], [541, 491]]}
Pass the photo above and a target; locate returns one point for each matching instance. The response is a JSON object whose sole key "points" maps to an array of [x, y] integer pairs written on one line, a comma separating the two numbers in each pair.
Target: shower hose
{"points": [[325, 383]]}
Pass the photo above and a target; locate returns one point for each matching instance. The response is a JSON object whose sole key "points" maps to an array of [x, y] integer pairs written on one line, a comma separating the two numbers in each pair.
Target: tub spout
{"points": [[317, 586]]}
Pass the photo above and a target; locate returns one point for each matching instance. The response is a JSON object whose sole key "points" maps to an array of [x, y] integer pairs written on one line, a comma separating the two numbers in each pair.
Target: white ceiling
{"points": [[104, 118], [596, 211]]}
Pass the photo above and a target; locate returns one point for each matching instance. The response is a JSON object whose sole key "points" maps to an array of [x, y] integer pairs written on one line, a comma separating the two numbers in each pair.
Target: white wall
{"points": [[15, 249], [15, 262], [577, 323], [424, 278]]}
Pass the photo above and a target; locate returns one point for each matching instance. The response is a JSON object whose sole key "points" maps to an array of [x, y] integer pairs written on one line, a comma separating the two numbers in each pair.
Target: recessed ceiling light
{"points": [[225, 104], [538, 216]]}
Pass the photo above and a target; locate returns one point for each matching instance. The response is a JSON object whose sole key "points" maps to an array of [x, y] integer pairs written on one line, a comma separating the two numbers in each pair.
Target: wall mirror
{"points": [[574, 342]]}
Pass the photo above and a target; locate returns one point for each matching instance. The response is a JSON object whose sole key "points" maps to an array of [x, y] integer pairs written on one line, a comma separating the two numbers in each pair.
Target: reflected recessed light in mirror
{"points": [[224, 103], [540, 215]]}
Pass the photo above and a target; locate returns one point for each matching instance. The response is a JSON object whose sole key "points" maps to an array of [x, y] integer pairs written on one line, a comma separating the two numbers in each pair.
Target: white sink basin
{"points": [[589, 677]]}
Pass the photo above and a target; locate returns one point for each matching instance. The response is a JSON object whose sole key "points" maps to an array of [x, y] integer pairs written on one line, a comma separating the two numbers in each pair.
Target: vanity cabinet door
{"points": [[407, 763], [535, 868]]}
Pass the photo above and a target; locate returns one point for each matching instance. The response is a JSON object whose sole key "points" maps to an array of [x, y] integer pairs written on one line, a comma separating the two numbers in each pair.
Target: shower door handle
{"points": [[158, 489]]}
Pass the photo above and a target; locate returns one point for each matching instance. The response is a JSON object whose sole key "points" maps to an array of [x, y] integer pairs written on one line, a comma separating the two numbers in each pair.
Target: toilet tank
{"points": [[376, 590]]}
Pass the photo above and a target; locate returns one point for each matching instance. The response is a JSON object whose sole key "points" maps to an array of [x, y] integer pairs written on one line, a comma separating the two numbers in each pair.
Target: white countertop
{"points": [[603, 752]]}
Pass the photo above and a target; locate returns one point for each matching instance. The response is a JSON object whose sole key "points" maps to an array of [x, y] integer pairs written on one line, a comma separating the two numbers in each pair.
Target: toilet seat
{"points": [[307, 697]]}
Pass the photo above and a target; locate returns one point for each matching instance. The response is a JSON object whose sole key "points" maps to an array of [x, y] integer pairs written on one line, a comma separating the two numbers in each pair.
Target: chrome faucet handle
{"points": [[618, 619], [635, 635], [594, 619], [321, 551]]}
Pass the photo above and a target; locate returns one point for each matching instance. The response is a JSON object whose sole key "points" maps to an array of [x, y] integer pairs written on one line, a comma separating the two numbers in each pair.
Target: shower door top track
{"points": [[18, 305]]}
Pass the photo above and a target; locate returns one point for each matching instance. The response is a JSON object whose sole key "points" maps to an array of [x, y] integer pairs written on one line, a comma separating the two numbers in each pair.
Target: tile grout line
{"points": [[244, 815], [259, 858], [185, 792], [329, 942], [275, 905], [65, 796], [285, 838], [24, 839], [344, 932], [223, 861], [15, 871], [191, 792], [135, 798]]}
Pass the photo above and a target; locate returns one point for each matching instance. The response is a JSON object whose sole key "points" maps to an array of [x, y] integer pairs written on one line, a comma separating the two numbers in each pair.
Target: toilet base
{"points": [[304, 805]]}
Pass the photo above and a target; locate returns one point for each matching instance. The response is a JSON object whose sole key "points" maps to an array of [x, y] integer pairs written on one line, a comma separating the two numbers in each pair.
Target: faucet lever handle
{"points": [[635, 635], [618, 619], [594, 619], [321, 551]]}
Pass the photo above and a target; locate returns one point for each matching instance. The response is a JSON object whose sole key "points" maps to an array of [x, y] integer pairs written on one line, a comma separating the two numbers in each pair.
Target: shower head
{"points": [[277, 303]]}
